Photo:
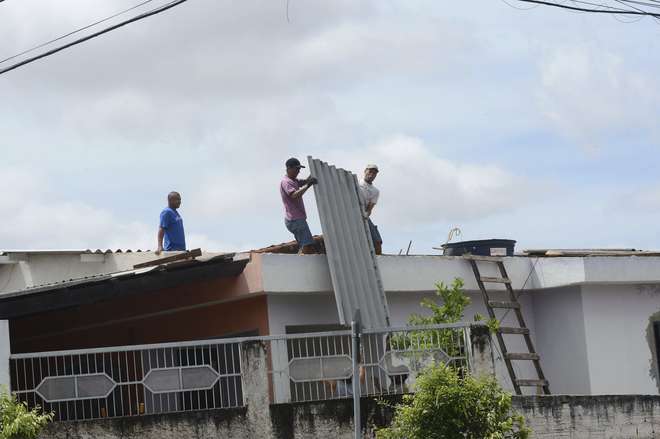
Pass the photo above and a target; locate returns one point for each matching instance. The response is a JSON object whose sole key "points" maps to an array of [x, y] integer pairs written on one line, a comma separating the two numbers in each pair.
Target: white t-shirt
{"points": [[369, 192]]}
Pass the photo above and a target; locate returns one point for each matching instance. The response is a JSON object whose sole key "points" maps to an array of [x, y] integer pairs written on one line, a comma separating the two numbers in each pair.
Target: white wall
{"points": [[293, 273], [298, 309], [561, 340], [616, 322]]}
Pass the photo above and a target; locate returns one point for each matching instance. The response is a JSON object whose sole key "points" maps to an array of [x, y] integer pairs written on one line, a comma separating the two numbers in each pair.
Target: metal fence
{"points": [[130, 381], [202, 375], [313, 367]]}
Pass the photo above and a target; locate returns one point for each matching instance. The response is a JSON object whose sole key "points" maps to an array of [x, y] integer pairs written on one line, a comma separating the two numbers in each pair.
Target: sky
{"points": [[539, 125]]}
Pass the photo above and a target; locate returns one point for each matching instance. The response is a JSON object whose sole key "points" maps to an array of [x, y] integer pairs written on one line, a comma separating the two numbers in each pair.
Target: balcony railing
{"points": [[210, 374]]}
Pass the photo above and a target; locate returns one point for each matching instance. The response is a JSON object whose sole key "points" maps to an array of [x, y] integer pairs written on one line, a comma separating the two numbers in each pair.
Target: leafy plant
{"points": [[493, 324], [450, 310], [19, 422], [450, 405], [454, 301]]}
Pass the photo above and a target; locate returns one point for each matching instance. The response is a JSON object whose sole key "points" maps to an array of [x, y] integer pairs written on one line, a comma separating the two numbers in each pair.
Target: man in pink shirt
{"points": [[295, 217]]}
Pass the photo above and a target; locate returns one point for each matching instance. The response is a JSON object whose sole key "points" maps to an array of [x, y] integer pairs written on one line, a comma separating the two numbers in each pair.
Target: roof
{"points": [[291, 247], [555, 252], [98, 288], [70, 251]]}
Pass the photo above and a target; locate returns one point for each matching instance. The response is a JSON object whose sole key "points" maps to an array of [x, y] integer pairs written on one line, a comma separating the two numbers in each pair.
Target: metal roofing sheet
{"points": [[351, 256], [70, 251], [102, 277], [111, 286]]}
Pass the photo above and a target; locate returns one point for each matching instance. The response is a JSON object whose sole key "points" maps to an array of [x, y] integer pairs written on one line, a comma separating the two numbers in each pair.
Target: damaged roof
{"points": [[98, 288]]}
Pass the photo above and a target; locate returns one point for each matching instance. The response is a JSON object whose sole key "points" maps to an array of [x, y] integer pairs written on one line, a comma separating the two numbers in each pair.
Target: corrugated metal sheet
{"points": [[99, 288], [71, 251], [351, 257], [102, 277]]}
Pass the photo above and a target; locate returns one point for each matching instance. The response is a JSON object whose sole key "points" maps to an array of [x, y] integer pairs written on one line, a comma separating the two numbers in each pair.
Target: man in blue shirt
{"points": [[170, 232]]}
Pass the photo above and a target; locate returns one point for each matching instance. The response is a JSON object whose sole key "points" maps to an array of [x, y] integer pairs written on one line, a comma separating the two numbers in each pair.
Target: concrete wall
{"points": [[575, 417], [299, 309], [617, 320], [291, 273], [561, 339], [587, 417], [295, 274], [551, 417]]}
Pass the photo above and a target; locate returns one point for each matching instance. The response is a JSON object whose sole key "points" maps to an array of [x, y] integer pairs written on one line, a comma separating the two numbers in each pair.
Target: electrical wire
{"points": [[75, 31], [519, 8], [634, 20], [607, 10], [522, 289], [94, 35]]}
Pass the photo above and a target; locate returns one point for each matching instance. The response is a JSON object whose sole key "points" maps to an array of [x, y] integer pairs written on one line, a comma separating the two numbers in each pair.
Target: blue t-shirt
{"points": [[172, 223]]}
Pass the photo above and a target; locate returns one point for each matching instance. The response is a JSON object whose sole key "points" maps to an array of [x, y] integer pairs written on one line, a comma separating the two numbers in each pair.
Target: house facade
{"points": [[593, 318]]}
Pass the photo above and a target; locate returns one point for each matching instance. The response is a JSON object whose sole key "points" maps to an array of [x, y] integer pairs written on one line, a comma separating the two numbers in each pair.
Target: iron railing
{"points": [[209, 374], [130, 381], [313, 367]]}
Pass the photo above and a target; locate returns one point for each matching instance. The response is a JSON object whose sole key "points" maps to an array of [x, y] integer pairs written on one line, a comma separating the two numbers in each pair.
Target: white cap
{"points": [[374, 167]]}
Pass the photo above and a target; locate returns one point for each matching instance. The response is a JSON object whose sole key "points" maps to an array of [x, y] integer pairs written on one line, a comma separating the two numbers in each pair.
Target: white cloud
{"points": [[592, 94], [419, 186], [36, 217], [212, 97]]}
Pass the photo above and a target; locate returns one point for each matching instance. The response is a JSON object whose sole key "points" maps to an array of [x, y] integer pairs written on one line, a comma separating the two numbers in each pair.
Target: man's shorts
{"points": [[301, 231], [375, 234]]}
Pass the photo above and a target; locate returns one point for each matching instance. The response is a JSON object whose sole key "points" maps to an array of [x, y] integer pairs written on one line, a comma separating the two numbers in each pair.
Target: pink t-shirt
{"points": [[294, 208]]}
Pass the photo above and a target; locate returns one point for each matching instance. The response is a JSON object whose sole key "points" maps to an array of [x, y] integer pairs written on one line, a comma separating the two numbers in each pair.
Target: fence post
{"points": [[254, 378], [4, 354], [355, 335], [483, 362]]}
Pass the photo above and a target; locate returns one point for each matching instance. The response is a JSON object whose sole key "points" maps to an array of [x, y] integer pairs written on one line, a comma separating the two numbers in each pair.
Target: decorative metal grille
{"points": [[129, 381], [312, 367], [175, 377]]}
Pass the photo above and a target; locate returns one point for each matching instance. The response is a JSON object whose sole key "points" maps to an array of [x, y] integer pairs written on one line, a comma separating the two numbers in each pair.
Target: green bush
{"points": [[19, 422], [448, 405], [454, 301]]}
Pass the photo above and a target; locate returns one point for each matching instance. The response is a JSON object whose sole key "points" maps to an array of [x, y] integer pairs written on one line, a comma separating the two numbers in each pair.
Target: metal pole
{"points": [[355, 330]]}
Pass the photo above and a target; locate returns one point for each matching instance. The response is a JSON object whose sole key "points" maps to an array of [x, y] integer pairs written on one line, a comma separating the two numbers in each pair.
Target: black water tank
{"points": [[482, 247]]}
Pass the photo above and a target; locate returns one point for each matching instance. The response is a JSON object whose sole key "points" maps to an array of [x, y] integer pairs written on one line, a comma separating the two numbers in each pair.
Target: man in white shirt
{"points": [[371, 194]]}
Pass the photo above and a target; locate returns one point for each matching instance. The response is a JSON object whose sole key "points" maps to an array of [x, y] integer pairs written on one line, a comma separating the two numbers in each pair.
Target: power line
{"points": [[94, 35], [519, 8], [606, 10], [75, 31]]}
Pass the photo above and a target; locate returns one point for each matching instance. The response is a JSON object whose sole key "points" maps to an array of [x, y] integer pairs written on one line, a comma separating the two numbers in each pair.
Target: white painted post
{"points": [[5, 351], [356, 330], [280, 375]]}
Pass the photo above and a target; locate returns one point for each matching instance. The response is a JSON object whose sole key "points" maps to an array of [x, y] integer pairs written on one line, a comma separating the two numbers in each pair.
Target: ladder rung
{"points": [[522, 356], [495, 280], [510, 330], [532, 383], [482, 258], [511, 305]]}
